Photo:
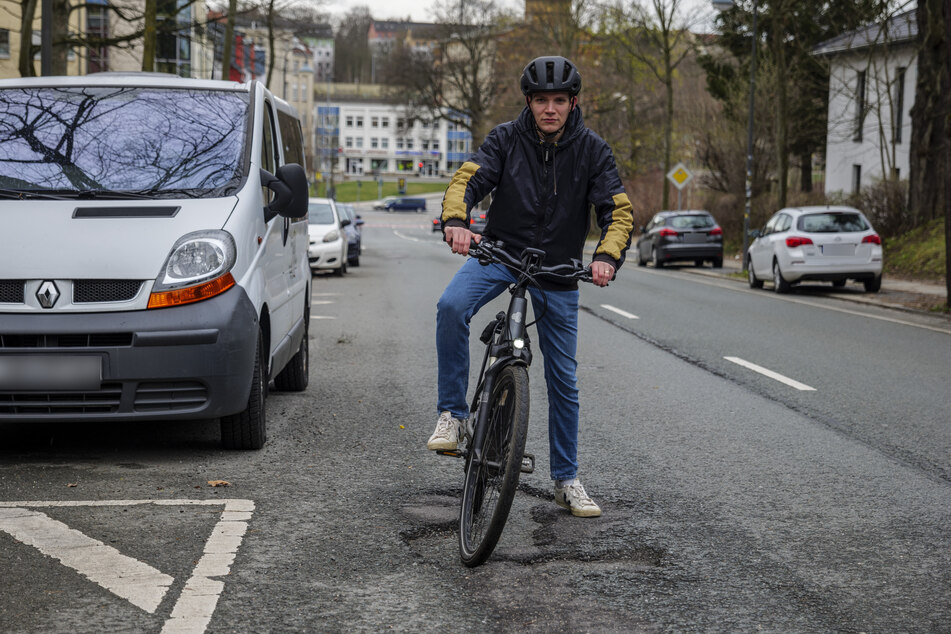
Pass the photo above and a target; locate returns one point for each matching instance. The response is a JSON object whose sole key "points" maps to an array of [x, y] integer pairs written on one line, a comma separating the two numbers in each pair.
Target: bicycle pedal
{"points": [[528, 463], [454, 453]]}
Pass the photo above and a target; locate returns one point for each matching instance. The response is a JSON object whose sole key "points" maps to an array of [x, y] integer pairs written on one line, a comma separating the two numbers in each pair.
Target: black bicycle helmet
{"points": [[551, 74]]}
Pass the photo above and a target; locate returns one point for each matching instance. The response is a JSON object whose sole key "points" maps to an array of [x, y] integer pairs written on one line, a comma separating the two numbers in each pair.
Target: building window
{"points": [[425, 144], [5, 43], [399, 144], [859, 105], [385, 143], [359, 141], [374, 143], [409, 144], [173, 40], [435, 144], [349, 121], [359, 122], [385, 122], [97, 25], [856, 179], [899, 104], [348, 142], [374, 122]]}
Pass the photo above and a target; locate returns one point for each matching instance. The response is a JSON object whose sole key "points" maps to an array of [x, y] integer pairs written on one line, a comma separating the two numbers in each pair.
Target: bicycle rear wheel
{"points": [[490, 483]]}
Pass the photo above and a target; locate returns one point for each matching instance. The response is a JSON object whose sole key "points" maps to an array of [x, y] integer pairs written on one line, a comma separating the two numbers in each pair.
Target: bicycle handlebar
{"points": [[486, 251]]}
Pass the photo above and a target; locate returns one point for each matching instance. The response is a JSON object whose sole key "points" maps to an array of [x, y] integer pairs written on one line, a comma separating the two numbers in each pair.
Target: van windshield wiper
{"points": [[27, 194]]}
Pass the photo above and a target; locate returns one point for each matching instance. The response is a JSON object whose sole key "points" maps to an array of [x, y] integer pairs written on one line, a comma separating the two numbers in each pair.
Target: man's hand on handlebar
{"points": [[459, 239], [601, 273]]}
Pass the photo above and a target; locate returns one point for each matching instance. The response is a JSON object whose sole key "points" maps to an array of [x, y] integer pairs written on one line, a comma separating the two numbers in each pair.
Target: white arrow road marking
{"points": [[802, 387], [131, 579], [622, 313], [138, 583]]}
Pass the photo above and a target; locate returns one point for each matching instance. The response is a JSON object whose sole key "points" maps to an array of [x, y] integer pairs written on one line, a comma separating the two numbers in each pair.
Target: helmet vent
{"points": [[566, 72], [550, 73]]}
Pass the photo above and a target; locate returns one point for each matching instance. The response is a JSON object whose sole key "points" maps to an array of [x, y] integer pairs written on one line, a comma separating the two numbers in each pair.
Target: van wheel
{"points": [[296, 374], [248, 429]]}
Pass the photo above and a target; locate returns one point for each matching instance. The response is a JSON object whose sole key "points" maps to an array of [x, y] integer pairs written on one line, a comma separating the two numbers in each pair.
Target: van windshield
{"points": [[120, 141]]}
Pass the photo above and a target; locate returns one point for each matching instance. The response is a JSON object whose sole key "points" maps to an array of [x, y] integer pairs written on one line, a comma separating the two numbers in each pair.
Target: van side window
{"points": [[268, 153], [291, 138]]}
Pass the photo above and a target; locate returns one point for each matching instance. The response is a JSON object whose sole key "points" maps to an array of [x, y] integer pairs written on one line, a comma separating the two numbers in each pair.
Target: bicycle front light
{"points": [[518, 343]]}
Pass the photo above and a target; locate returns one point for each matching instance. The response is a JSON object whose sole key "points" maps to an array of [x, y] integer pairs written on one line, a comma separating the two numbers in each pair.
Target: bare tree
{"points": [[930, 188], [658, 37]]}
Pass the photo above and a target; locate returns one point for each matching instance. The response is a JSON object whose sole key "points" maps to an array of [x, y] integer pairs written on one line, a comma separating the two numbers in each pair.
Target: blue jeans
{"points": [[473, 286]]}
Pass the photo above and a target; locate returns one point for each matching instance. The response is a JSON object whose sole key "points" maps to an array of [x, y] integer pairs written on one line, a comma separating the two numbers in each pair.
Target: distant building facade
{"points": [[872, 79]]}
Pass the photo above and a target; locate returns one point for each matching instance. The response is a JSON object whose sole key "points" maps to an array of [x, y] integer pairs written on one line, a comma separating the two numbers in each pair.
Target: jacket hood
{"points": [[573, 127]]}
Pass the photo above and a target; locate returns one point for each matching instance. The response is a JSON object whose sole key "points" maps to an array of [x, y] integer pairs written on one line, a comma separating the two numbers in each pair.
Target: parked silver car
{"points": [[830, 244]]}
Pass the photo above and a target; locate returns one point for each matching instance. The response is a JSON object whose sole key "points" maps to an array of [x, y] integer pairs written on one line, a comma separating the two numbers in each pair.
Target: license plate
{"points": [[838, 249], [693, 238], [50, 372]]}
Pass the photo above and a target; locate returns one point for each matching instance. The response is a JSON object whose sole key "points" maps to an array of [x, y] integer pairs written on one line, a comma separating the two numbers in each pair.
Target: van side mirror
{"points": [[290, 191]]}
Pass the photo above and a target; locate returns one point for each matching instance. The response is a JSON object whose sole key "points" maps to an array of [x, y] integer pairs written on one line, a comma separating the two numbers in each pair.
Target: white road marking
{"points": [[622, 313], [405, 237], [325, 294], [802, 387], [322, 317], [322, 302], [140, 583]]}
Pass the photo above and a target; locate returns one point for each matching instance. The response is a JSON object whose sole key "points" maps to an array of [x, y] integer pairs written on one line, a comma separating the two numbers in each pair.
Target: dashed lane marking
{"points": [[322, 317], [622, 313], [802, 387], [135, 581]]}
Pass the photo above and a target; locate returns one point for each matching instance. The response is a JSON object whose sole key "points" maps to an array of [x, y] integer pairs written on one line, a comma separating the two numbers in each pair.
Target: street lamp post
{"points": [[723, 5]]}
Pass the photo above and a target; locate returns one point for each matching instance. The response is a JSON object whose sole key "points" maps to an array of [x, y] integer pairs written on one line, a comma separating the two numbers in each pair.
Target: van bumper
{"points": [[184, 362]]}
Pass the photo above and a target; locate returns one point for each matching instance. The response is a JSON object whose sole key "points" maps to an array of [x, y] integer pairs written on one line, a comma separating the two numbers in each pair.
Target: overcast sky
{"points": [[420, 10]]}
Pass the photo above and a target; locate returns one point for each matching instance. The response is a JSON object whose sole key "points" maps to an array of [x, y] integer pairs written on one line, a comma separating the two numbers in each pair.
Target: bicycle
{"points": [[494, 445]]}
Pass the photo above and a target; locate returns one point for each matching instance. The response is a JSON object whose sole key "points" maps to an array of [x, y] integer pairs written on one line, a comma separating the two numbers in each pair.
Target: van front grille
{"points": [[93, 340], [169, 396], [96, 291], [105, 400], [11, 291]]}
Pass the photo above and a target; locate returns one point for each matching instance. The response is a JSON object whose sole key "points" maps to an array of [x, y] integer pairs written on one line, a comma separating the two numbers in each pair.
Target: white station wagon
{"points": [[831, 244]]}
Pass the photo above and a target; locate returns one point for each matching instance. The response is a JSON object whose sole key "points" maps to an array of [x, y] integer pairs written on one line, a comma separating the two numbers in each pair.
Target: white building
{"points": [[383, 139], [873, 72]]}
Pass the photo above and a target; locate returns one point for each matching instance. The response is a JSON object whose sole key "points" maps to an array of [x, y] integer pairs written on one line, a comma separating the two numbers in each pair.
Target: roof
{"points": [[900, 29]]}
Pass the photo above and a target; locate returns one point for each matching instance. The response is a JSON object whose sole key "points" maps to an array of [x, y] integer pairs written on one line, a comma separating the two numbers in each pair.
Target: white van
{"points": [[153, 251]]}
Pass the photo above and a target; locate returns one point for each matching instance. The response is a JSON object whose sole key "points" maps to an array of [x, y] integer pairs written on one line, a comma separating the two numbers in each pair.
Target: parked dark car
{"points": [[673, 236], [406, 204], [354, 233]]}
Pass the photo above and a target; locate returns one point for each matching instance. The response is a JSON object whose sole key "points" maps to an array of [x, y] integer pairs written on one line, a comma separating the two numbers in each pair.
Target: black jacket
{"points": [[543, 191]]}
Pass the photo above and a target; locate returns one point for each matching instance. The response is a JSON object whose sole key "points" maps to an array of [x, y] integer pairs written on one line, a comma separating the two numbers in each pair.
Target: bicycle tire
{"points": [[489, 486]]}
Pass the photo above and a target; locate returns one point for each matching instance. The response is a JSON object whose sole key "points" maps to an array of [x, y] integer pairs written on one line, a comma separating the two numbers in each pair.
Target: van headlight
{"points": [[198, 267]]}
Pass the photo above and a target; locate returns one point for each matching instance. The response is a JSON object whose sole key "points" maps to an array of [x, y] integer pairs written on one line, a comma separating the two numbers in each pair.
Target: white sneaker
{"points": [[446, 436], [574, 498]]}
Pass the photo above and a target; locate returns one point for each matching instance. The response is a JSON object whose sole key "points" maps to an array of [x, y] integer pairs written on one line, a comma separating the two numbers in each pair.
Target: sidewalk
{"points": [[896, 293]]}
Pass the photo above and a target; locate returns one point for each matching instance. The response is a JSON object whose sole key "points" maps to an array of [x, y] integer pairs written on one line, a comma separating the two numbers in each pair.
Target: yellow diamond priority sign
{"points": [[679, 175]]}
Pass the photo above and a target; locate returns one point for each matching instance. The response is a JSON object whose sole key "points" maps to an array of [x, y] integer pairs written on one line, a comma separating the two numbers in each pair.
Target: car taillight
{"points": [[667, 232], [872, 239], [797, 241], [716, 231]]}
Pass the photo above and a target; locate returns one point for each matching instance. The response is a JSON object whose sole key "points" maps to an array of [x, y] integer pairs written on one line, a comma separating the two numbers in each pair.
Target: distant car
{"points": [[681, 235], [830, 244], [328, 242], [381, 204], [477, 221], [354, 232], [406, 204]]}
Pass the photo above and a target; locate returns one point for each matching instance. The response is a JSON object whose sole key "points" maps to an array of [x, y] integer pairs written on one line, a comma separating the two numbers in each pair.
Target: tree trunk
{"points": [[60, 37], [929, 191], [228, 44], [27, 14], [805, 173], [270, 43], [149, 37]]}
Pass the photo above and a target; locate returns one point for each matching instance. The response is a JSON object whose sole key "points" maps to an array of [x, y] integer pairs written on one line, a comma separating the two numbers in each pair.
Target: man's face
{"points": [[550, 110]]}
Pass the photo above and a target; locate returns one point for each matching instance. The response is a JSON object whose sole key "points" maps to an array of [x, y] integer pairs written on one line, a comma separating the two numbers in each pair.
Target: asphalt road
{"points": [[732, 501]]}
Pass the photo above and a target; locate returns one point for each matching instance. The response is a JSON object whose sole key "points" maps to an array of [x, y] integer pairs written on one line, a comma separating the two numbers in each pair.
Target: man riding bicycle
{"points": [[547, 169]]}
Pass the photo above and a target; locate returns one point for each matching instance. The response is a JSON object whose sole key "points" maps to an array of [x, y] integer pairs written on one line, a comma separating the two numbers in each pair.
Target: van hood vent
{"points": [[125, 212]]}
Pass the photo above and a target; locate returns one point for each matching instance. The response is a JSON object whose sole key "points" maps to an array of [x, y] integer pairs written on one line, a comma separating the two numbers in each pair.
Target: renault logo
{"points": [[48, 294]]}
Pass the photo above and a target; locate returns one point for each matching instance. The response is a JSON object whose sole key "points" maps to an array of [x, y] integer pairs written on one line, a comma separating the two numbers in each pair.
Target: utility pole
{"points": [[46, 38]]}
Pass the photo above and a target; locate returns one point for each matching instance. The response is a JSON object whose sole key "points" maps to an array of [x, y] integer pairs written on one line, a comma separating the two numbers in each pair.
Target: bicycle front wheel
{"points": [[491, 480]]}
